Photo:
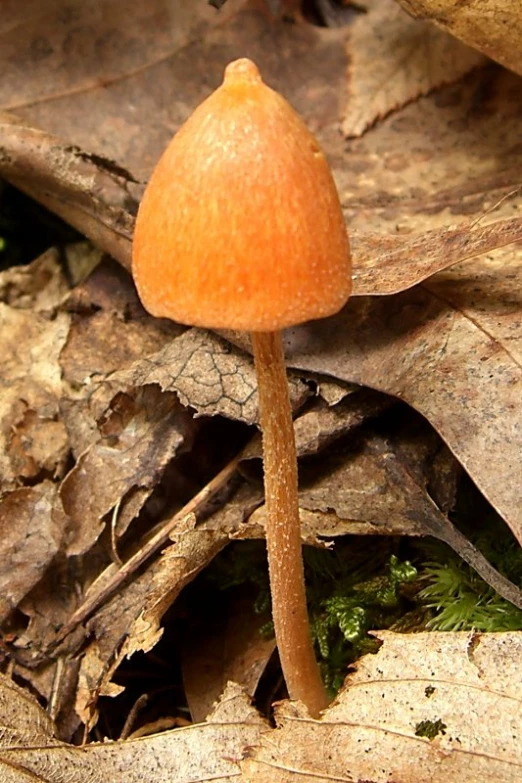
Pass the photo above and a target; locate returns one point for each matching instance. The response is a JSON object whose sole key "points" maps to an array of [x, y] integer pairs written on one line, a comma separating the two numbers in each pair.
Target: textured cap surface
{"points": [[240, 226]]}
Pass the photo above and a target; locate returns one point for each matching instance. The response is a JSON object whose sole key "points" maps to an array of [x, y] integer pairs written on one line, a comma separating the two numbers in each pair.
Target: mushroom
{"points": [[240, 227]]}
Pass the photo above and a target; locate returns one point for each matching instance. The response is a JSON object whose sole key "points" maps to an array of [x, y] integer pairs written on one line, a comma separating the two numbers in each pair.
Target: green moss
{"points": [[342, 617], [452, 593], [430, 729], [364, 585], [460, 600], [350, 591]]}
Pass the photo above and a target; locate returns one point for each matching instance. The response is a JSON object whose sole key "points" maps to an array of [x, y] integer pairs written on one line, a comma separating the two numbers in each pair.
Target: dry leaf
{"points": [[458, 366], [169, 56], [31, 532], [192, 549], [390, 264], [208, 751], [32, 439], [223, 644], [322, 424], [131, 612], [87, 191], [40, 286], [491, 26], [46, 608], [422, 709], [207, 374], [36, 40], [394, 60], [109, 329], [23, 720], [378, 486], [449, 157], [139, 436]]}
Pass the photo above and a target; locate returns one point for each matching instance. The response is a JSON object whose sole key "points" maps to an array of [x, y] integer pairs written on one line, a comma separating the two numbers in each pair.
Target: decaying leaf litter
{"points": [[411, 691], [90, 377]]}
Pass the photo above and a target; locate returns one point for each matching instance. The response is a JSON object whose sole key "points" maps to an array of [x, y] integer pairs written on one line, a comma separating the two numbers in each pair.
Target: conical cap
{"points": [[240, 226]]}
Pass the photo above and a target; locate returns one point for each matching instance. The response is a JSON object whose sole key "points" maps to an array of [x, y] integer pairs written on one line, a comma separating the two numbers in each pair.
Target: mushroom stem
{"points": [[283, 529]]}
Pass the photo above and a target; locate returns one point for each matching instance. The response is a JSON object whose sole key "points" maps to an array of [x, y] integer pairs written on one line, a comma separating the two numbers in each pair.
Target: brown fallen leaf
{"points": [[193, 548], [421, 709], [379, 487], [87, 191], [109, 329], [487, 293], [37, 39], [43, 612], [32, 528], [122, 615], [461, 373], [391, 264], [394, 60], [322, 424], [138, 438], [436, 162], [239, 652], [207, 374], [207, 751], [32, 438], [40, 286], [24, 722], [172, 57], [492, 27]]}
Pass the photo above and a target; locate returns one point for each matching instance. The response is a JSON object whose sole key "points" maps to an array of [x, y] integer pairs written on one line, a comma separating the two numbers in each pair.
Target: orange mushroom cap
{"points": [[240, 226]]}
